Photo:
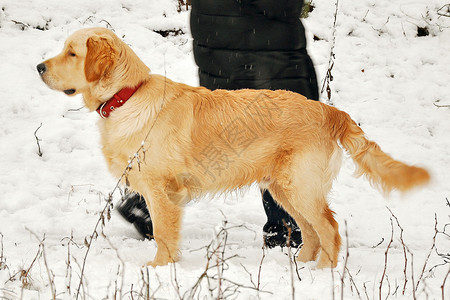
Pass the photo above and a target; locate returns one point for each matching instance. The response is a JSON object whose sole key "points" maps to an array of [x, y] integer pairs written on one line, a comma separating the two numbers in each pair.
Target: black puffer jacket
{"points": [[257, 44]]}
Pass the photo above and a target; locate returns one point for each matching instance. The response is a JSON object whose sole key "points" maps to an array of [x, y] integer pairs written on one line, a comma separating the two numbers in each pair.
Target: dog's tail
{"points": [[381, 170]]}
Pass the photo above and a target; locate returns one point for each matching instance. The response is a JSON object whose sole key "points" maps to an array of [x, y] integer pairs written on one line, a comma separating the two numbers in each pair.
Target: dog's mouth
{"points": [[69, 91]]}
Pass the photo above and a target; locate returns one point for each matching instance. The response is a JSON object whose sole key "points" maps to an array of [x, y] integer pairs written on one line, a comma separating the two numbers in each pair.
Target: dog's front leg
{"points": [[166, 218]]}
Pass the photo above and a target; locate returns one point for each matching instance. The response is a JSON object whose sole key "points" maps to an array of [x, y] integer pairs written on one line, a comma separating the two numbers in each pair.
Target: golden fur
{"points": [[200, 141]]}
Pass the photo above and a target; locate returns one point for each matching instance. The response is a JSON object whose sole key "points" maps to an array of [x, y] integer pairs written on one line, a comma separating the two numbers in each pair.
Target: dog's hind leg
{"points": [[305, 190], [166, 217], [312, 181], [310, 239]]}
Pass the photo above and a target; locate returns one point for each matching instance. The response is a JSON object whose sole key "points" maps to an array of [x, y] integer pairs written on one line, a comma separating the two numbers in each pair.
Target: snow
{"points": [[386, 77]]}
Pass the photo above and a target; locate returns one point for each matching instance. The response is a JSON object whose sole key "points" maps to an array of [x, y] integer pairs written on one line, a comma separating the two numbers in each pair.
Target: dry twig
{"points": [[88, 243], [51, 277], [37, 141], [440, 105], [404, 252], [344, 269], [329, 77], [291, 267], [386, 260], [219, 286], [412, 273], [2, 257], [433, 246]]}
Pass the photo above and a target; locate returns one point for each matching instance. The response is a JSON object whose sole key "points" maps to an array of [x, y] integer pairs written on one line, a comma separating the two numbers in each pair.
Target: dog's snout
{"points": [[41, 68]]}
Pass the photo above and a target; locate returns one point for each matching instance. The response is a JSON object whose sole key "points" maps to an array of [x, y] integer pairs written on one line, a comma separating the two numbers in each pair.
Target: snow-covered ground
{"points": [[392, 82]]}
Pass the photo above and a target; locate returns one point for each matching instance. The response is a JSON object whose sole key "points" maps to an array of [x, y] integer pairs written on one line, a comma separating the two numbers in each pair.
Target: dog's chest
{"points": [[118, 150]]}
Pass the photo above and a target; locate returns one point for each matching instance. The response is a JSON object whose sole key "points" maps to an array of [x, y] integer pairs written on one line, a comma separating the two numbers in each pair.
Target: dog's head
{"points": [[95, 63]]}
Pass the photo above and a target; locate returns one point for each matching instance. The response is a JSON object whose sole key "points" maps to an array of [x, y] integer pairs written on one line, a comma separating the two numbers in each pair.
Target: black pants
{"points": [[275, 213]]}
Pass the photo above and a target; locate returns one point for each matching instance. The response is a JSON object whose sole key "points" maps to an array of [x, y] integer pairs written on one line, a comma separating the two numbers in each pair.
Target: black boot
{"points": [[134, 209], [276, 231], [278, 234]]}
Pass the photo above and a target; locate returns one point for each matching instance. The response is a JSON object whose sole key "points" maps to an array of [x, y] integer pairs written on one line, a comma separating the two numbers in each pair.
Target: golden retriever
{"points": [[199, 141]]}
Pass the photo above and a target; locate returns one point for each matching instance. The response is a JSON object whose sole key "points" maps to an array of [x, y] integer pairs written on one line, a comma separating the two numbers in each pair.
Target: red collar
{"points": [[116, 101]]}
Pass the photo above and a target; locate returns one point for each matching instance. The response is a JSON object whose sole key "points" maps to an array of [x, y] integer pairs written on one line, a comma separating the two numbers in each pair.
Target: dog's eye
{"points": [[72, 54]]}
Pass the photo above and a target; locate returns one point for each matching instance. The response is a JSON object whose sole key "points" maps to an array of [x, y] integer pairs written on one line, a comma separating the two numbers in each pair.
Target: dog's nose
{"points": [[41, 68]]}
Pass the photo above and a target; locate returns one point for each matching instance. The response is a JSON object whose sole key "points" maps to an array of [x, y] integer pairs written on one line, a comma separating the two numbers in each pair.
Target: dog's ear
{"points": [[100, 58]]}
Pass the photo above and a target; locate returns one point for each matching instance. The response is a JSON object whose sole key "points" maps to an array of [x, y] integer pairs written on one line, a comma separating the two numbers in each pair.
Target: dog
{"points": [[186, 141]]}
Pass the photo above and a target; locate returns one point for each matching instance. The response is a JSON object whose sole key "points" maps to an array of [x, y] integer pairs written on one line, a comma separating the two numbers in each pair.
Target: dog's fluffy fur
{"points": [[200, 141]]}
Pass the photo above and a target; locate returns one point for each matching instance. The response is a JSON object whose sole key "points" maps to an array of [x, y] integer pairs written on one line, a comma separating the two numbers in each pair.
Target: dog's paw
{"points": [[326, 263], [159, 262], [306, 256], [155, 263]]}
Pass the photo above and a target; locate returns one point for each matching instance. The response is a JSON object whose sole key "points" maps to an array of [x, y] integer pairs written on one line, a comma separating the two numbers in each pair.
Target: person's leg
{"points": [[275, 233], [133, 208], [278, 221]]}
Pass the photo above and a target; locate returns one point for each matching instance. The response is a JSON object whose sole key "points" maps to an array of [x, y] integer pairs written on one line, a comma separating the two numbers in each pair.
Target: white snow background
{"points": [[394, 83]]}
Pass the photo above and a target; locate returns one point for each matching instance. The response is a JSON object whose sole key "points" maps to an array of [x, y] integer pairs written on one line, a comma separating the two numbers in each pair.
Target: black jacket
{"points": [[258, 44]]}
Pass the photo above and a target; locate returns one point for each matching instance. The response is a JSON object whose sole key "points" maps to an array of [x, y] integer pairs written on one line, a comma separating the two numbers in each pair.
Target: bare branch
{"points": [[439, 105], [2, 257], [49, 273], [37, 141], [217, 260], [329, 77], [412, 273], [404, 252], [433, 246], [345, 261], [91, 238], [386, 259], [288, 244], [352, 282]]}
